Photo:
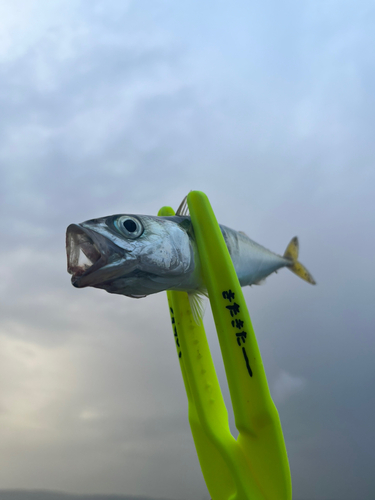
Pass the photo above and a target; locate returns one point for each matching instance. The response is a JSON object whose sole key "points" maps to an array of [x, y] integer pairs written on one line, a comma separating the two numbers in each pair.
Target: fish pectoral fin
{"points": [[291, 253], [198, 302]]}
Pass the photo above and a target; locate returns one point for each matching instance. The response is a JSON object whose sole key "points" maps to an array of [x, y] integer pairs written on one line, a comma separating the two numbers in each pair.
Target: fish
{"points": [[140, 255]]}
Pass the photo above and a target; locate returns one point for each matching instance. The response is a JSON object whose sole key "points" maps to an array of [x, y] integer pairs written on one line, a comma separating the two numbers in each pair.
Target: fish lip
{"points": [[84, 244]]}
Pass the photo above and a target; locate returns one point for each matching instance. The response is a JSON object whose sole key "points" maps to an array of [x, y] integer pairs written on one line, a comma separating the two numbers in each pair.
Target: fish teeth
{"points": [[84, 261]]}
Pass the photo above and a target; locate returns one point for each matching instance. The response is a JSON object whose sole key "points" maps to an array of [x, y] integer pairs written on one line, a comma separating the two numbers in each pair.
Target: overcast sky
{"points": [[123, 107]]}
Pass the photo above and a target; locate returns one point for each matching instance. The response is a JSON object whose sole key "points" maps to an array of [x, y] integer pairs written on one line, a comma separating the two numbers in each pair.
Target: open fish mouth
{"points": [[85, 253]]}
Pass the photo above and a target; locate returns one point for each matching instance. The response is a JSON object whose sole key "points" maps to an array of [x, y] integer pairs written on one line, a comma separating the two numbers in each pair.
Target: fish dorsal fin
{"points": [[183, 209], [198, 305]]}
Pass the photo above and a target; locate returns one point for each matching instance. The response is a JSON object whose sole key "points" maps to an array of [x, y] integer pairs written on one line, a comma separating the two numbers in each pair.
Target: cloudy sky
{"points": [[123, 107]]}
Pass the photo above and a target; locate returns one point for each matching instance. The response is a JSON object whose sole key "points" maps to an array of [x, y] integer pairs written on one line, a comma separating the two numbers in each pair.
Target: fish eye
{"points": [[129, 226]]}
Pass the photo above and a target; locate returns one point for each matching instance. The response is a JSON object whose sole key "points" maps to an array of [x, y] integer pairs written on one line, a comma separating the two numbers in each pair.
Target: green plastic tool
{"points": [[255, 465]]}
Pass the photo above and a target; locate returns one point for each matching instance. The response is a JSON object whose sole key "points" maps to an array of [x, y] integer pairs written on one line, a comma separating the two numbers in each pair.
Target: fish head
{"points": [[129, 254]]}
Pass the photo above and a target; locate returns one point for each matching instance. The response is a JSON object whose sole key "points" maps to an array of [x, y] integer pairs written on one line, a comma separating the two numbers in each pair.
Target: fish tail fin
{"points": [[291, 253]]}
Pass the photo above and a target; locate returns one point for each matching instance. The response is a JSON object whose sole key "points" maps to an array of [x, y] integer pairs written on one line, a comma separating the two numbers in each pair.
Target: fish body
{"points": [[138, 255]]}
